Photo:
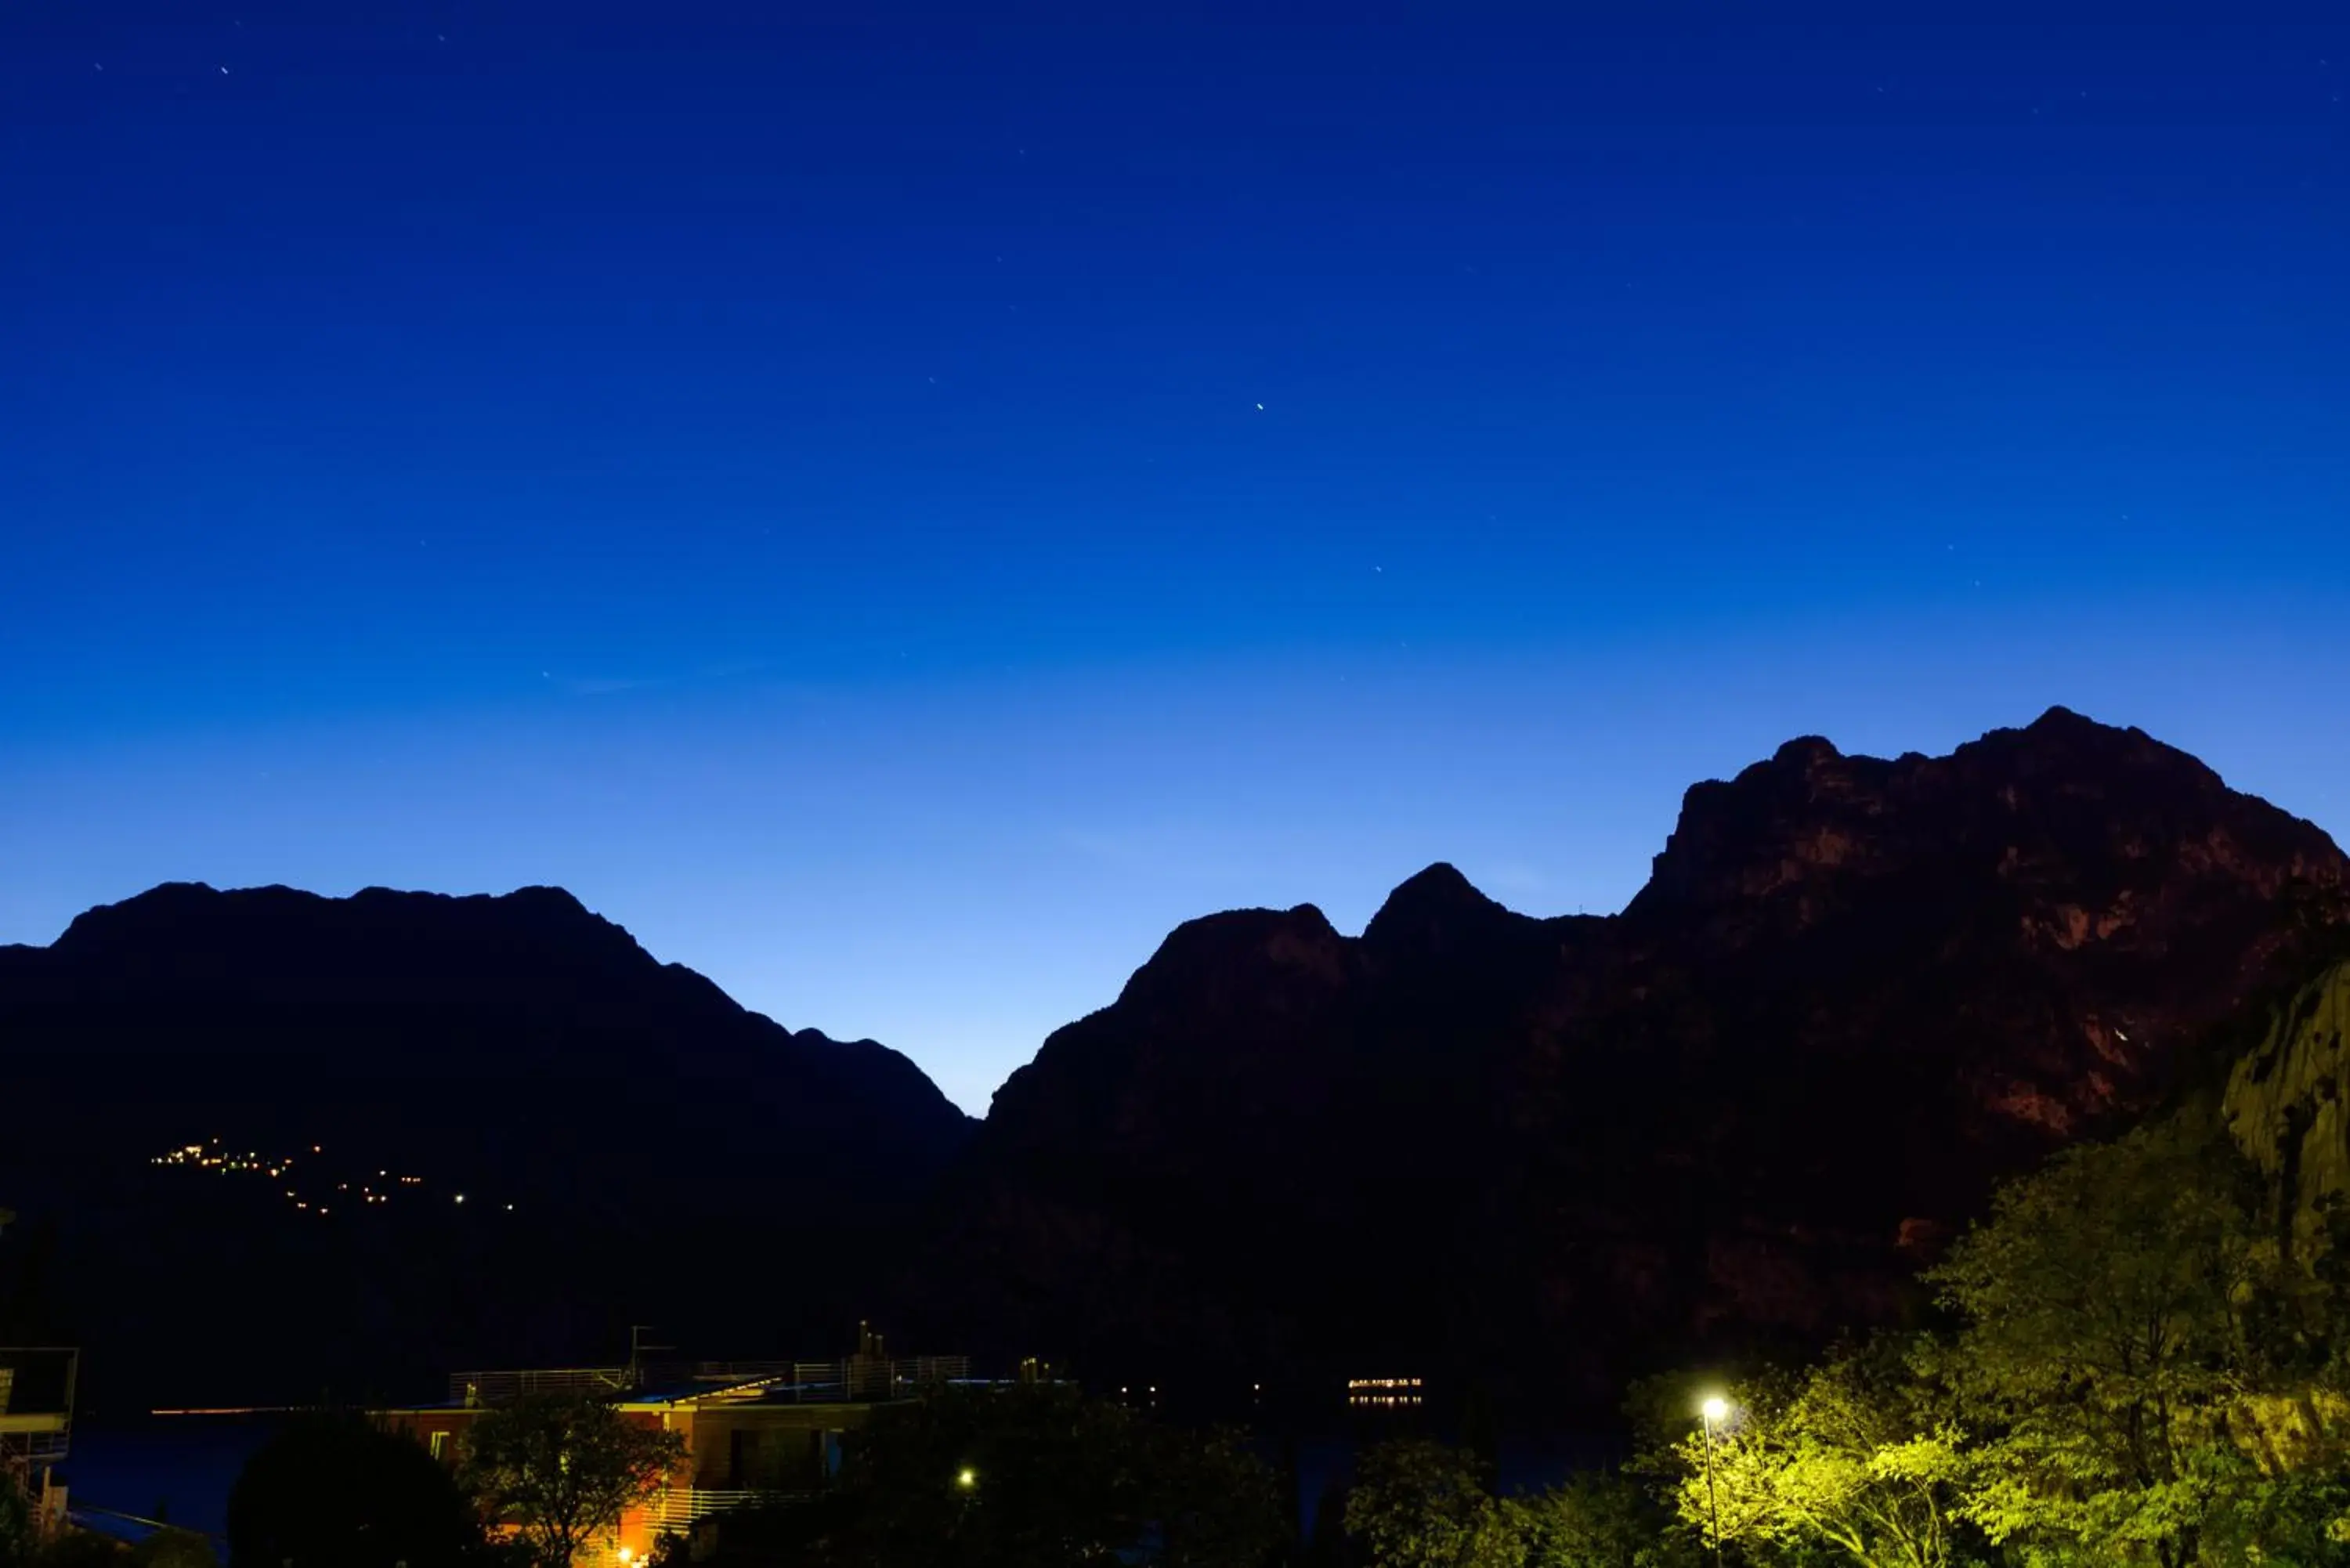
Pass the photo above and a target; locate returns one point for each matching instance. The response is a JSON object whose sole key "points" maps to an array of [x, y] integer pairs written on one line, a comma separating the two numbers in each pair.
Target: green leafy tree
{"points": [[2302, 1519], [1861, 1457], [563, 1468], [2112, 1308], [1600, 1519], [334, 1493], [1040, 1477], [1418, 1504]]}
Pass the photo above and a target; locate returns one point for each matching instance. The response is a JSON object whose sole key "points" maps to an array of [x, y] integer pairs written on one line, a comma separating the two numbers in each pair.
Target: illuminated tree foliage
{"points": [[2139, 1372], [2115, 1309], [1862, 1457], [563, 1468]]}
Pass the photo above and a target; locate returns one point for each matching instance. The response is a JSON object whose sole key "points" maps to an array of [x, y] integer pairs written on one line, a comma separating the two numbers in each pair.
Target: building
{"points": [[1385, 1393], [37, 1404], [755, 1431]]}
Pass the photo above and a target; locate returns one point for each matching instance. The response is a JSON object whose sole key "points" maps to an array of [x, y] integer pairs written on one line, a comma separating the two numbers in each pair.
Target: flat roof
{"points": [[35, 1421]]}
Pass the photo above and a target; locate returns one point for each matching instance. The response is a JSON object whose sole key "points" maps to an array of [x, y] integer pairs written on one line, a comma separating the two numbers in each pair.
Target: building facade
{"points": [[754, 1432]]}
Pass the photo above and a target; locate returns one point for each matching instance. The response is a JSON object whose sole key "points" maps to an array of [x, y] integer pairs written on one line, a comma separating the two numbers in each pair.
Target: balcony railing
{"points": [[857, 1380], [36, 1398], [504, 1388], [681, 1508]]}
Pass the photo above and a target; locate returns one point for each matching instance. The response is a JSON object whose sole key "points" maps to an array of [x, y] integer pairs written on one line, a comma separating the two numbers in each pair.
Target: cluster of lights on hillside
{"points": [[316, 1199]]}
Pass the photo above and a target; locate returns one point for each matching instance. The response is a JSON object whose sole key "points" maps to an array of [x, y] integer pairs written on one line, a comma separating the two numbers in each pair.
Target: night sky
{"points": [[899, 508]]}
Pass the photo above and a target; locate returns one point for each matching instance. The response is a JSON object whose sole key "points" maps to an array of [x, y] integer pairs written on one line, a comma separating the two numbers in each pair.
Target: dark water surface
{"points": [[176, 1469]]}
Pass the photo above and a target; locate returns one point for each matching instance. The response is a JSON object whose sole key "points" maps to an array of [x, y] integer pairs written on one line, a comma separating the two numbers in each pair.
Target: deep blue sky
{"points": [[899, 508]]}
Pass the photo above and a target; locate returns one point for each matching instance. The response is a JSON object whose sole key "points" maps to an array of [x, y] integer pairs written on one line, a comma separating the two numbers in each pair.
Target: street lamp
{"points": [[966, 1479], [1715, 1410]]}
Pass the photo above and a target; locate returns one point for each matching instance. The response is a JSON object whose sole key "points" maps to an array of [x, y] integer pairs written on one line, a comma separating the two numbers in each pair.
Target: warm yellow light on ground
{"points": [[1715, 1409]]}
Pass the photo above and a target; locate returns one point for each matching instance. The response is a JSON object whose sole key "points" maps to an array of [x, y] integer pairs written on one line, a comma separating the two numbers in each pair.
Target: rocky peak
{"points": [[2063, 799], [1208, 955], [1437, 912]]}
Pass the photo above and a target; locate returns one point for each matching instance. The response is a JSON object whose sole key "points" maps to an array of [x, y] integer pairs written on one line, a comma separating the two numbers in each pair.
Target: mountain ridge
{"points": [[1853, 992], [514, 1046]]}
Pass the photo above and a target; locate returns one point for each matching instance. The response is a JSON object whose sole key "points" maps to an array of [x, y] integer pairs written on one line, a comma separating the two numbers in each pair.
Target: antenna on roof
{"points": [[636, 1349]]}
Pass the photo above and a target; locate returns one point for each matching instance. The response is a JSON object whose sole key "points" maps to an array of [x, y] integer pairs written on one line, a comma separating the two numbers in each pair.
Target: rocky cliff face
{"points": [[1854, 994], [2288, 1099]]}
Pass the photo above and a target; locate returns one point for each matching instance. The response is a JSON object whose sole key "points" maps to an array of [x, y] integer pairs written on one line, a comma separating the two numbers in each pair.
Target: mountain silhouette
{"points": [[1531, 1156], [669, 1157], [1542, 1153]]}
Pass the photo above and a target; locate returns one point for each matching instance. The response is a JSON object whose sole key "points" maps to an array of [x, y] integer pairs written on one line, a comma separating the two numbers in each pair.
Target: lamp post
{"points": [[1714, 1410]]}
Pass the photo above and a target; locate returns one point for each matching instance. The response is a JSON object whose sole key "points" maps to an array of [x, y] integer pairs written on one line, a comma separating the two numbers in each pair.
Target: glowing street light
{"points": [[1715, 1410], [966, 1479]]}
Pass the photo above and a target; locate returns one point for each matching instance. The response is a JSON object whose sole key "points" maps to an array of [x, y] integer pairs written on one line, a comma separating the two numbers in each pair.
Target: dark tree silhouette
{"points": [[1041, 1477], [339, 1493]]}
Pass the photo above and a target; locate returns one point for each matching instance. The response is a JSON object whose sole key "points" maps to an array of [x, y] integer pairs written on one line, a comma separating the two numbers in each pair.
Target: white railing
{"points": [[681, 1507], [503, 1387], [857, 1380]]}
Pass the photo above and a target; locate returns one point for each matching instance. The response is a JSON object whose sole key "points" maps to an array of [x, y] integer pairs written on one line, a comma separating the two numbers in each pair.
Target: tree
{"points": [[82, 1549], [1599, 1520], [563, 1468], [1040, 1476], [341, 1494], [18, 1538], [1862, 1456], [1418, 1504], [170, 1548], [2112, 1307]]}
